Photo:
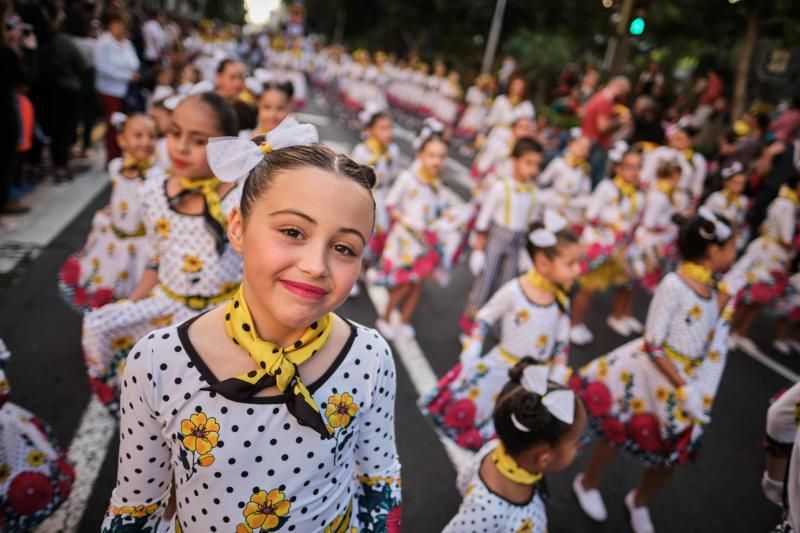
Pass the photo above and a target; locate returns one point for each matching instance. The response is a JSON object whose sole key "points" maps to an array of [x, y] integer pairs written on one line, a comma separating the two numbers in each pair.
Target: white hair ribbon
{"points": [[721, 230], [161, 94], [118, 120], [370, 110], [430, 127], [560, 403], [263, 75], [204, 86], [575, 133], [254, 85], [731, 170], [546, 237], [523, 110], [617, 151], [231, 158]]}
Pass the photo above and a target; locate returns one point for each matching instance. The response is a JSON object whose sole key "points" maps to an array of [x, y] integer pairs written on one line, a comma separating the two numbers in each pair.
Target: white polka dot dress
{"points": [[249, 466], [569, 189], [188, 265], [461, 405], [116, 252], [631, 403], [482, 510], [653, 250]]}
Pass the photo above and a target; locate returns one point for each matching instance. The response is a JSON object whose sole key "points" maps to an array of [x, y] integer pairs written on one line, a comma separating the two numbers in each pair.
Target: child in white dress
{"points": [[568, 185], [116, 252], [533, 313], [539, 428], [268, 412], [192, 265], [652, 397], [730, 201]]}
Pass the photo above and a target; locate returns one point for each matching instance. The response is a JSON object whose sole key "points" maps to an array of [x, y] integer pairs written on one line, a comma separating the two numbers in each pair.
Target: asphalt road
{"points": [[720, 493]]}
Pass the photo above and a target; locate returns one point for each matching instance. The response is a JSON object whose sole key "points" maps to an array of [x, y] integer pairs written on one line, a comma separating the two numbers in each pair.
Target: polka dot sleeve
{"points": [[709, 374], [665, 300], [377, 462], [144, 471]]}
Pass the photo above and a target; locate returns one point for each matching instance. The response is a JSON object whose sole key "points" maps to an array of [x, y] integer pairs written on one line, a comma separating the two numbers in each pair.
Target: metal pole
{"points": [[623, 40], [494, 36]]}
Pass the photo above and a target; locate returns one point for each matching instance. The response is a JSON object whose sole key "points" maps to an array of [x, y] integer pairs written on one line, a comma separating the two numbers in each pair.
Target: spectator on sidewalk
{"points": [[155, 38], [599, 123], [83, 30], [117, 65]]}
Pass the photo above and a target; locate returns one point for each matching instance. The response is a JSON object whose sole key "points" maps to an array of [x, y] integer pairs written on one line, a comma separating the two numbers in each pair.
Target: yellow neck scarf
{"points": [[514, 99], [576, 162], [509, 468], [732, 198], [540, 282], [427, 177], [665, 186], [700, 273], [141, 166], [789, 194], [208, 188], [378, 150], [628, 190], [277, 365]]}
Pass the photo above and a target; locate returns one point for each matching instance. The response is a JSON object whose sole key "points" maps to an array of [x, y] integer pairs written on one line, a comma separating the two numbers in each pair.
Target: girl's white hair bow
{"points": [[430, 127], [232, 158], [617, 151], [721, 230], [118, 120], [204, 86], [546, 237], [369, 112], [731, 170], [560, 403], [523, 111]]}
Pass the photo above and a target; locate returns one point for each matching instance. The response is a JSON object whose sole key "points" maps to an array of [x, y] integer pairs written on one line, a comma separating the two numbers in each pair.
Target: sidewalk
{"points": [[53, 207]]}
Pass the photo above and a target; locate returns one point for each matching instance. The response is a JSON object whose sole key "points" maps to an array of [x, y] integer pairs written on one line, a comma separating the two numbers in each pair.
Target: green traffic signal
{"points": [[637, 26]]}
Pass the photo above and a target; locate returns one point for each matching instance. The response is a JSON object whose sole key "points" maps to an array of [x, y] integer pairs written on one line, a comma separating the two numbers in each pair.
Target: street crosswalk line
{"points": [[87, 452], [770, 363]]}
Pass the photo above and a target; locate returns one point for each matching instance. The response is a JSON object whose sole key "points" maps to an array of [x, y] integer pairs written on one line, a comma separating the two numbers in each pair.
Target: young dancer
{"points": [[413, 251], [506, 214], [270, 411], [652, 397], [533, 313], [539, 428], [192, 266], [274, 105], [117, 251], [568, 183], [730, 202], [612, 215]]}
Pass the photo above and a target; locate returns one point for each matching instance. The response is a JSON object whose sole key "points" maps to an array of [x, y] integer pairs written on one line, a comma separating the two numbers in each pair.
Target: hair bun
{"points": [[515, 373], [368, 173]]}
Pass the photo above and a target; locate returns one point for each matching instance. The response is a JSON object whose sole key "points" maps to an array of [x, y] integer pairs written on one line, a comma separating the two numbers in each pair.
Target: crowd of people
{"points": [[245, 401]]}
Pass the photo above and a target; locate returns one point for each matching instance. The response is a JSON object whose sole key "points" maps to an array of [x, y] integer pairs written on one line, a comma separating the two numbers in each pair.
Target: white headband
{"points": [[617, 151], [546, 237], [161, 94], [731, 170], [523, 110], [232, 158], [118, 120], [560, 403], [721, 230], [369, 112], [430, 127], [204, 86]]}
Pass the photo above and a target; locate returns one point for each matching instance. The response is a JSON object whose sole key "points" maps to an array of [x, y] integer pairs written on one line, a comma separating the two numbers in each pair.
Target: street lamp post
{"points": [[494, 36]]}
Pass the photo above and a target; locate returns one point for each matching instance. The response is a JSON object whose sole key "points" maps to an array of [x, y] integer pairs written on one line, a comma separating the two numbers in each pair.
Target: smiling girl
{"points": [[269, 411], [193, 266]]}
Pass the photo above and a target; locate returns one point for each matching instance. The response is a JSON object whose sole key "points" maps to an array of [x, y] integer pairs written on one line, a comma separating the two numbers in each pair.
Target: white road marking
{"points": [[87, 452], [317, 120], [770, 363]]}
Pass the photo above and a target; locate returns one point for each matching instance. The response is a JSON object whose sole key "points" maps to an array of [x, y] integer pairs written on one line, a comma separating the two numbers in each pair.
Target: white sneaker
{"points": [[773, 490], [782, 346], [355, 292], [385, 329], [640, 516], [794, 345], [590, 500], [580, 335], [634, 325], [407, 331], [619, 326]]}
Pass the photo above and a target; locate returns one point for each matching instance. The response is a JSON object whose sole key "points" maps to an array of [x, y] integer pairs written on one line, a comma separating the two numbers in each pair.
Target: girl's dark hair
{"points": [[697, 234], [525, 145], [285, 87], [224, 64], [563, 237], [316, 155], [436, 136], [792, 180], [120, 128], [112, 15], [528, 410], [665, 169], [227, 121], [376, 117]]}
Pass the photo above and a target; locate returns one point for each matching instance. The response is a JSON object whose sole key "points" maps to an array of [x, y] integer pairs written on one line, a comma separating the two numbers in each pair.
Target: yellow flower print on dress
{"points": [[708, 402], [481, 368], [526, 526], [473, 393], [192, 264], [681, 416], [123, 276], [131, 248], [637, 405], [97, 279], [267, 511], [5, 470], [161, 321], [120, 343], [542, 340], [95, 263], [163, 227], [341, 524], [695, 313], [135, 511], [111, 247], [714, 356], [340, 410], [35, 458], [662, 394], [625, 377], [228, 286], [123, 207], [200, 433], [523, 316]]}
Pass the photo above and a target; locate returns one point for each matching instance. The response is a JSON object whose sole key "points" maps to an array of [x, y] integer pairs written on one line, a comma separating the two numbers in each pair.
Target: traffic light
{"points": [[637, 26]]}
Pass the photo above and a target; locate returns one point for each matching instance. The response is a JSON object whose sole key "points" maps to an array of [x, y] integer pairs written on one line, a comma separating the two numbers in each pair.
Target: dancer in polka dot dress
{"points": [[269, 412], [539, 427], [116, 252], [566, 180], [533, 313], [193, 267], [652, 397]]}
